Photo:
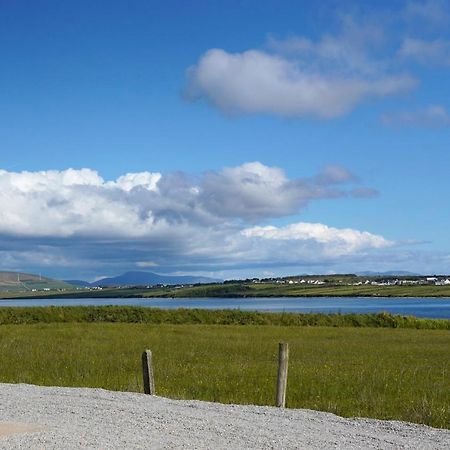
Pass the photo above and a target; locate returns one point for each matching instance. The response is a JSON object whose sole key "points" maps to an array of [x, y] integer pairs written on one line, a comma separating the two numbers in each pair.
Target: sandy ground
{"points": [[33, 417], [10, 428]]}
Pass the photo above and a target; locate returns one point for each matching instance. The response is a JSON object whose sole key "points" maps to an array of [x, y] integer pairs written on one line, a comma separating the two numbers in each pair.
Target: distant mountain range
{"points": [[143, 279], [20, 281]]}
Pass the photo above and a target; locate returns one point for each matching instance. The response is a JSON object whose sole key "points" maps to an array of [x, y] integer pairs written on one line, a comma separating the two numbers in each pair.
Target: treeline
{"points": [[130, 314]]}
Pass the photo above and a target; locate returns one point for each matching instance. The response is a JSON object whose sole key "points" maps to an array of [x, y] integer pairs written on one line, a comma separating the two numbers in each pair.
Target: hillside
{"points": [[137, 278], [20, 281]]}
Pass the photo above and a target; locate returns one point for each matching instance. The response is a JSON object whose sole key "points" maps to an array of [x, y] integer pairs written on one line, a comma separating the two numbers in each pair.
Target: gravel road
{"points": [[33, 417]]}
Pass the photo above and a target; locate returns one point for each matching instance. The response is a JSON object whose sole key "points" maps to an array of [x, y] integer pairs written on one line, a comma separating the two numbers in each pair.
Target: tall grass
{"points": [[372, 372], [130, 314]]}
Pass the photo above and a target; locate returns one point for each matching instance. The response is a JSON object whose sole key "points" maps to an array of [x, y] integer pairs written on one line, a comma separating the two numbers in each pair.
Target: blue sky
{"points": [[270, 136]]}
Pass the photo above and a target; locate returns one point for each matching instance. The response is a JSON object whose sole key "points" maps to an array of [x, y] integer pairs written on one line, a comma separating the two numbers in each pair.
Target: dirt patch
{"points": [[9, 428]]}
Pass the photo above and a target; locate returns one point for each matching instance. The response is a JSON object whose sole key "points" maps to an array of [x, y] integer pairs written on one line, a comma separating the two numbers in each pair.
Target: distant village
{"points": [[315, 280], [443, 280]]}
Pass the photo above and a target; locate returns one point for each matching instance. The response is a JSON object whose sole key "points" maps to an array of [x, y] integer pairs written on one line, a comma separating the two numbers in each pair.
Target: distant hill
{"points": [[150, 279], [391, 273], [20, 282], [78, 283]]}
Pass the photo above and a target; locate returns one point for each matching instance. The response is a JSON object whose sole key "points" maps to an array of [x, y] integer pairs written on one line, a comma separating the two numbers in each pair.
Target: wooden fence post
{"points": [[283, 361], [147, 372]]}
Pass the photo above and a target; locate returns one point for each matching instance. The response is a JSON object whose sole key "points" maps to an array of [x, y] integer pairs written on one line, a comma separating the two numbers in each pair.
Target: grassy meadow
{"points": [[389, 373], [244, 289], [299, 290]]}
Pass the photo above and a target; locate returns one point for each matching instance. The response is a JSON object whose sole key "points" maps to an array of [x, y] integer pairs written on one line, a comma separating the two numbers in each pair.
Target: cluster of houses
{"points": [[302, 281], [436, 281], [374, 281], [287, 281]]}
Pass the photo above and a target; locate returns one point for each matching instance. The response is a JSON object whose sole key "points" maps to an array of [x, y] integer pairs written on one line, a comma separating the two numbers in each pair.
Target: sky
{"points": [[227, 139]]}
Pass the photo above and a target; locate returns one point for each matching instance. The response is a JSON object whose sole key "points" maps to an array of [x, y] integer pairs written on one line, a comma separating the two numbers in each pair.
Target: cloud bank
{"points": [[81, 203], [75, 218]]}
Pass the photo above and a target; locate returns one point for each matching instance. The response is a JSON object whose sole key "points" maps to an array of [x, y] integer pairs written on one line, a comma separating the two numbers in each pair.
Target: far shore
{"points": [[238, 290]]}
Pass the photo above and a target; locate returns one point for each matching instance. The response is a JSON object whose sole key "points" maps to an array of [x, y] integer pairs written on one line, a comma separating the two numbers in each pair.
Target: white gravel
{"points": [[98, 419]]}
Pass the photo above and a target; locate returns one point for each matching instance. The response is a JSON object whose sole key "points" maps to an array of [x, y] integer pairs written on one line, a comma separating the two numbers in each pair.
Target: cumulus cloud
{"points": [[80, 202], [70, 202], [365, 55], [259, 82], [434, 116], [254, 191], [336, 242], [75, 218], [144, 180]]}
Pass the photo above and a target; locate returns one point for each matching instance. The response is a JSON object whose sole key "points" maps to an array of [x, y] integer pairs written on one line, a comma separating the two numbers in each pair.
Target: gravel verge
{"points": [[98, 419]]}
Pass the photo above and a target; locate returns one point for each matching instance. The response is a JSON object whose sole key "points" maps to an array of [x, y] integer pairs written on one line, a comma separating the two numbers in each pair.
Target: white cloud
{"points": [[67, 203], [43, 181], [254, 191], [335, 241], [75, 218], [434, 116], [258, 82], [80, 202], [143, 180]]}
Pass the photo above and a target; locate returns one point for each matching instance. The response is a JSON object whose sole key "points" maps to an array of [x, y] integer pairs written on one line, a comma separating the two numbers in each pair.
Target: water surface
{"points": [[438, 308]]}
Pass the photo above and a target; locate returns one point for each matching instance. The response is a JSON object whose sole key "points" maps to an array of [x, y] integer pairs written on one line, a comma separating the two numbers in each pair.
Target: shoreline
{"points": [[166, 297]]}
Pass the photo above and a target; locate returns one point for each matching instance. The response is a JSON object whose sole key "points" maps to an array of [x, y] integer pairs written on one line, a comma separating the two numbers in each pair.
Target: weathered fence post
{"points": [[283, 361], [147, 371]]}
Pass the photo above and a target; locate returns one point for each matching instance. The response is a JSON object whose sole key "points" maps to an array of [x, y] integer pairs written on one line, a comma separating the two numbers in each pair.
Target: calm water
{"points": [[419, 307]]}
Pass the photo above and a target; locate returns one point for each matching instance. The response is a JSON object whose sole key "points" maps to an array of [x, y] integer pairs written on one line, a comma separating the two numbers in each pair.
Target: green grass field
{"points": [[247, 290], [298, 290], [372, 372]]}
